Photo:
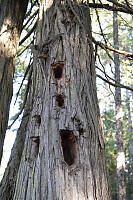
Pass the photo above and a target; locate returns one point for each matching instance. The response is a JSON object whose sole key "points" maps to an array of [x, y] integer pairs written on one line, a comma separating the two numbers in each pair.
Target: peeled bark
{"points": [[121, 188], [63, 157], [12, 14]]}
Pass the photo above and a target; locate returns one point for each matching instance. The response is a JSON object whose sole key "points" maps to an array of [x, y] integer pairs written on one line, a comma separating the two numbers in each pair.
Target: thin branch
{"points": [[32, 21], [130, 11], [110, 8], [25, 49], [24, 102], [28, 34], [98, 19], [116, 84], [34, 14], [28, 13], [107, 77], [103, 46], [127, 2], [123, 53], [125, 23], [27, 70], [96, 49]]}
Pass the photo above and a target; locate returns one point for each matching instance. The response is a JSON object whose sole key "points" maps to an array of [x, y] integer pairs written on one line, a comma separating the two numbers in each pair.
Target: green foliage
{"points": [[105, 92], [110, 144], [108, 118], [105, 63], [21, 66]]}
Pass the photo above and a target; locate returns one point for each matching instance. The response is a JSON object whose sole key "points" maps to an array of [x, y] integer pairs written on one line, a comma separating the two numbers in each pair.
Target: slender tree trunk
{"points": [[130, 130], [121, 189], [63, 157], [131, 168], [12, 14]]}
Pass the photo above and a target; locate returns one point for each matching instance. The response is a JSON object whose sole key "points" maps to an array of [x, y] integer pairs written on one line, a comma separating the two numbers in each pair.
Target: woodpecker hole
{"points": [[37, 120], [35, 145], [60, 100], [58, 70], [69, 146]]}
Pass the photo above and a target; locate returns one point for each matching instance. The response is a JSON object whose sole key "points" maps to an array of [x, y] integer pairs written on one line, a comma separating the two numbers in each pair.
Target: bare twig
{"points": [[104, 46], [109, 7], [116, 84], [27, 70], [28, 34], [98, 19], [130, 11], [24, 102]]}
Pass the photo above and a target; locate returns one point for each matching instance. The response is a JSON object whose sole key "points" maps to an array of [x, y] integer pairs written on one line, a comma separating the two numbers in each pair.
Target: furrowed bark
{"points": [[63, 157], [121, 188], [130, 130]]}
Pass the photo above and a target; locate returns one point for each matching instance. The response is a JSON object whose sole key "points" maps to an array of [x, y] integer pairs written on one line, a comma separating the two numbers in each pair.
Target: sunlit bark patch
{"points": [[69, 146], [60, 100], [120, 160], [57, 69]]}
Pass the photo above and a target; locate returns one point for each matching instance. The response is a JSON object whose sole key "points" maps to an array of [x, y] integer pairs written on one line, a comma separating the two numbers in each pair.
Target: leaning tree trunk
{"points": [[63, 157], [8, 183], [12, 14], [121, 188]]}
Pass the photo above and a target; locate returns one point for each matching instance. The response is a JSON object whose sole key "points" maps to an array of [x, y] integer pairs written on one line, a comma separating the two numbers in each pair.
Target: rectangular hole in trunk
{"points": [[69, 146], [57, 69], [60, 100]]}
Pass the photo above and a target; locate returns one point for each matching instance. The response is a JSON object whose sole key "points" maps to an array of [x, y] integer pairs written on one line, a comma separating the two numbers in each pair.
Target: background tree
{"points": [[121, 189], [106, 68], [11, 19], [130, 131]]}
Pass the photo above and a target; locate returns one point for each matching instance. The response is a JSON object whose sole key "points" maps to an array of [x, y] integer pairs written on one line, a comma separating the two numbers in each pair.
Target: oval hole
{"points": [[60, 100], [69, 146], [58, 70], [35, 145]]}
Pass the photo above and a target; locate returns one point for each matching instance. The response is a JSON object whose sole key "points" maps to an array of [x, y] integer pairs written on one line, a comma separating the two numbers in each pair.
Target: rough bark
{"points": [[130, 130], [12, 14], [121, 189], [63, 157], [131, 168], [7, 185]]}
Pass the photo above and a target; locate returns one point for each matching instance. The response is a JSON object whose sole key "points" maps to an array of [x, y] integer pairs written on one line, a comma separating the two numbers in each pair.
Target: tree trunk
{"points": [[121, 189], [12, 14], [63, 157], [8, 183], [130, 130]]}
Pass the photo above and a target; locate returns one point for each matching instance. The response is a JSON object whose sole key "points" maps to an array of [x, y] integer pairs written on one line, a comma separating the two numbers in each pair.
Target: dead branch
{"points": [[104, 46], [116, 84]]}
